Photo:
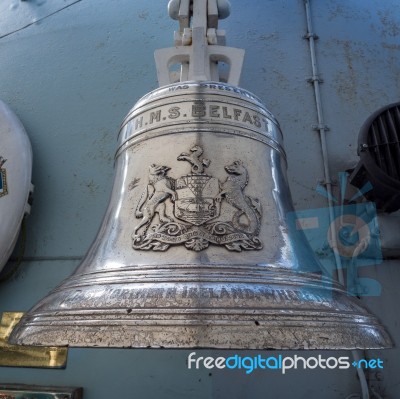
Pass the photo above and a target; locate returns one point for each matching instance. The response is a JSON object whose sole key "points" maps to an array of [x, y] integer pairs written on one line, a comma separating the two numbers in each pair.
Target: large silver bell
{"points": [[194, 250]]}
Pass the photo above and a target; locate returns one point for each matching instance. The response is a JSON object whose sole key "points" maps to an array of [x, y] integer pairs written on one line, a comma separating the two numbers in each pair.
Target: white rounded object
{"points": [[173, 8], [15, 179]]}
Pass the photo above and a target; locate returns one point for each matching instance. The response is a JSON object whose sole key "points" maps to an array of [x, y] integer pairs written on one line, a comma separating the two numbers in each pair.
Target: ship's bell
{"points": [[195, 248]]}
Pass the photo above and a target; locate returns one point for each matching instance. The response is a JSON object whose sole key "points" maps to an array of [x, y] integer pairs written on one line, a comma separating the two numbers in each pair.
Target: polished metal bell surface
{"points": [[195, 250]]}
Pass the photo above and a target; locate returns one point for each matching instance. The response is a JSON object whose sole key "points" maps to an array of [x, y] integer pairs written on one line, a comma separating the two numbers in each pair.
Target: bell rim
{"points": [[199, 323]]}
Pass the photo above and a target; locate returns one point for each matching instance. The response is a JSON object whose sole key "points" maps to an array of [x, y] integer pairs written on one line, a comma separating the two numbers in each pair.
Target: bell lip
{"points": [[380, 340], [287, 328]]}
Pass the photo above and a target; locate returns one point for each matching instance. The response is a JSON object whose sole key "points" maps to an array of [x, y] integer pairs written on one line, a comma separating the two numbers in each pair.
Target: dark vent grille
{"points": [[379, 150], [384, 142]]}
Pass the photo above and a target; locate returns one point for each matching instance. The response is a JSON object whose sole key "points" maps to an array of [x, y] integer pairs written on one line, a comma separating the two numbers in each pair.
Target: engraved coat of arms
{"points": [[197, 202]]}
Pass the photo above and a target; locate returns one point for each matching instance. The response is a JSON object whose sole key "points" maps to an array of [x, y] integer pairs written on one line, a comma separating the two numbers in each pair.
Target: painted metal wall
{"points": [[72, 75]]}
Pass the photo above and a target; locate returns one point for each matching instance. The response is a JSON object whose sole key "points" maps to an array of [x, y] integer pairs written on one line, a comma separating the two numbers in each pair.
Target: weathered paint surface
{"points": [[72, 76]]}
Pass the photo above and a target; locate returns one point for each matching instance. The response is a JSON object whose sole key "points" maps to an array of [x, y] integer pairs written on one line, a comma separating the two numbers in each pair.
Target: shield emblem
{"points": [[3, 183], [196, 201]]}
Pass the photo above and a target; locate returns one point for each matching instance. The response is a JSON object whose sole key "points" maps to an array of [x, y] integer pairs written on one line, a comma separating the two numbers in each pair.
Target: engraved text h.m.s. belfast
{"points": [[198, 218]]}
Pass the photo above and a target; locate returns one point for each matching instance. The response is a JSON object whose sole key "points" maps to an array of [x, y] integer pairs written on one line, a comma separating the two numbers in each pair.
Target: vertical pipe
{"points": [[322, 133], [325, 158]]}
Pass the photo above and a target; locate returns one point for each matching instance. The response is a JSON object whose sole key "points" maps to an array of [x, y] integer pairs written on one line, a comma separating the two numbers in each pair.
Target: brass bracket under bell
{"points": [[27, 356]]}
